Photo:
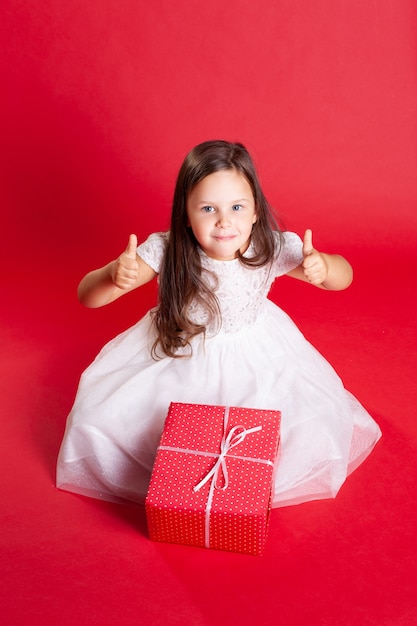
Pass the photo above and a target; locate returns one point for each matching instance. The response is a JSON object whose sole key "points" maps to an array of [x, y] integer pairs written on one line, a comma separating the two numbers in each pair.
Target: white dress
{"points": [[256, 358]]}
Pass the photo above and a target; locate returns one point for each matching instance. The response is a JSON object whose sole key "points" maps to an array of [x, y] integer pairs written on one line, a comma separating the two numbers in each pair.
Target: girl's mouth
{"points": [[225, 237]]}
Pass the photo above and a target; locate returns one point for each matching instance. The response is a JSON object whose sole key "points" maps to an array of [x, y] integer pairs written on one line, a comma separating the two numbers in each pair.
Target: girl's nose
{"points": [[223, 221]]}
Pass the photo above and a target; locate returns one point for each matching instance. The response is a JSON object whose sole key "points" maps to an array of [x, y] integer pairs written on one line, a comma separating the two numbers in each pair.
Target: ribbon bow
{"points": [[236, 435]]}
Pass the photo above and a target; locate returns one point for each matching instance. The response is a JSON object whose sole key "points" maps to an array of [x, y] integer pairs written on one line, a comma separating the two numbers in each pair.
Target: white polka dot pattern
{"points": [[237, 518]]}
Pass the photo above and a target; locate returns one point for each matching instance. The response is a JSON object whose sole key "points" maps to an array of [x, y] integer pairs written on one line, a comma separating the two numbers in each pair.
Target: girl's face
{"points": [[221, 213]]}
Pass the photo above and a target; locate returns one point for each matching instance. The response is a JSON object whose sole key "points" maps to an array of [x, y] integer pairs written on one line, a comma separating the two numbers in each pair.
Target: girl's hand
{"points": [[326, 271], [125, 271], [105, 284], [314, 265]]}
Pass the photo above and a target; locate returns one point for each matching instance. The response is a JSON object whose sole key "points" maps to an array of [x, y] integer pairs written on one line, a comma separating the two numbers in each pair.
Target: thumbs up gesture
{"points": [[314, 264], [126, 268]]}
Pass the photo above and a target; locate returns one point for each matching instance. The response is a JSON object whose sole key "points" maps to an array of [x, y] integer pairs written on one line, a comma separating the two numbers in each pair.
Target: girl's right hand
{"points": [[125, 271]]}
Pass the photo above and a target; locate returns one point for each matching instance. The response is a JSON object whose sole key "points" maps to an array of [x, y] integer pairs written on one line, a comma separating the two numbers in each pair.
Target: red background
{"points": [[100, 102]]}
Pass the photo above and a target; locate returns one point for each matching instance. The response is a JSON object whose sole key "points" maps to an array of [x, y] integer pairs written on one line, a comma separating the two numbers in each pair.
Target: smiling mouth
{"points": [[225, 238]]}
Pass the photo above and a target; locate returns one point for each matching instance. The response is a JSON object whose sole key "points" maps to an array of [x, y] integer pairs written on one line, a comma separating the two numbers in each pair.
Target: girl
{"points": [[214, 338]]}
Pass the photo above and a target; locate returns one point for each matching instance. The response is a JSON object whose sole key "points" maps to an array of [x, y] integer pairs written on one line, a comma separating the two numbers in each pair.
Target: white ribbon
{"points": [[234, 438]]}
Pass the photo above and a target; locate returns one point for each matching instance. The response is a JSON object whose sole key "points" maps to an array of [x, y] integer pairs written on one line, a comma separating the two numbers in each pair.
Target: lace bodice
{"points": [[241, 291]]}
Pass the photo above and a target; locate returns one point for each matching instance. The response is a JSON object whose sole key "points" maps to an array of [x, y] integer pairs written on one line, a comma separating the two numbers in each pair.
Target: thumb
{"points": [[308, 242], [131, 247]]}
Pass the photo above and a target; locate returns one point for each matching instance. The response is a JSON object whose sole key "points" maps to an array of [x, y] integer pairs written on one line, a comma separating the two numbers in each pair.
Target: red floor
{"points": [[72, 560]]}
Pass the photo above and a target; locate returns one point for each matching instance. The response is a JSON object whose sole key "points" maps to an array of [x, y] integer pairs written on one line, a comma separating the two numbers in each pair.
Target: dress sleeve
{"points": [[152, 250], [289, 252]]}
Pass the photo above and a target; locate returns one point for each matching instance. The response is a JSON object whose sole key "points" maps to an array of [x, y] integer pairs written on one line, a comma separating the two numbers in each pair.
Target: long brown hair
{"points": [[180, 280]]}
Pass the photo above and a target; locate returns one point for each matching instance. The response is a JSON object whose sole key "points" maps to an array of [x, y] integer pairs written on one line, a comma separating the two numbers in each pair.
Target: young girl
{"points": [[214, 338]]}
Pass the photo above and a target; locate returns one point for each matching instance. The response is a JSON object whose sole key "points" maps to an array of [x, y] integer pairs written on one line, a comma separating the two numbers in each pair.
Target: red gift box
{"points": [[212, 479]]}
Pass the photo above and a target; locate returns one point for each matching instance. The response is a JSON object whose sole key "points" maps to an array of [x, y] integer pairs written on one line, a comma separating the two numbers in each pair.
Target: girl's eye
{"points": [[236, 207], [207, 209]]}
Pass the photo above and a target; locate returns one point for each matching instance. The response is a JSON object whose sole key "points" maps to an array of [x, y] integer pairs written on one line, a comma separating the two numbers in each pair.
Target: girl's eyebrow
{"points": [[209, 203]]}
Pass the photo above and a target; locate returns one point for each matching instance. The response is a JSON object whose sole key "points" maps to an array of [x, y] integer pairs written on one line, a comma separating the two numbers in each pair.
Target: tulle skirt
{"points": [[114, 427]]}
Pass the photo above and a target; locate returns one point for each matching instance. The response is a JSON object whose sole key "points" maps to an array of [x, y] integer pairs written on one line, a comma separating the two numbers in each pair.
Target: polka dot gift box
{"points": [[212, 479]]}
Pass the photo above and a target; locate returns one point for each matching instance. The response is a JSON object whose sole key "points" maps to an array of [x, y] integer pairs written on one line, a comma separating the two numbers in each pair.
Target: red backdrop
{"points": [[101, 101]]}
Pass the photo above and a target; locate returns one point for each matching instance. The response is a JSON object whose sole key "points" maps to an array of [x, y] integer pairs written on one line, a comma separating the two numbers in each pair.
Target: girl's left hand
{"points": [[314, 264]]}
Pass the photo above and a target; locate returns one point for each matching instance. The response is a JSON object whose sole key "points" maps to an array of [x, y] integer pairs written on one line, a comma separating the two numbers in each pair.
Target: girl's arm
{"points": [[327, 271], [118, 277]]}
